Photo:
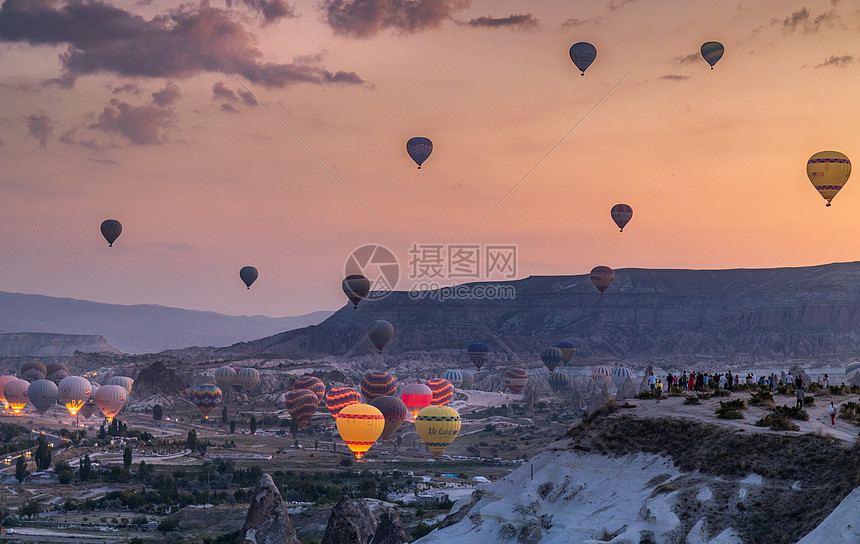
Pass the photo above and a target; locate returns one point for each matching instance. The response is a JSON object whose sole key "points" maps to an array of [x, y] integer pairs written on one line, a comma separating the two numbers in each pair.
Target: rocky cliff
{"points": [[742, 315], [35, 344]]}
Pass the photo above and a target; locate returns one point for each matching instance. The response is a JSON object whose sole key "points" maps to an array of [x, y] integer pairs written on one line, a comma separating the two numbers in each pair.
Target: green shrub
{"points": [[761, 398], [777, 423], [792, 412], [837, 390], [647, 394], [722, 393], [809, 400], [691, 399], [422, 529], [731, 409], [850, 411]]}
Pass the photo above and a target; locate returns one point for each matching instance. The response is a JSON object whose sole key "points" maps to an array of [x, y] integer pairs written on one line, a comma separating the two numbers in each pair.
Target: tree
{"points": [[157, 412], [224, 416], [232, 426], [43, 453], [30, 509], [253, 424], [126, 457], [143, 470], [21, 469], [66, 476], [102, 432], [191, 441], [294, 427], [167, 525], [85, 468]]}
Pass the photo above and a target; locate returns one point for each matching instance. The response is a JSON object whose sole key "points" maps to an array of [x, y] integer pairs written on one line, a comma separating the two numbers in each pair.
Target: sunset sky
{"points": [[145, 112]]}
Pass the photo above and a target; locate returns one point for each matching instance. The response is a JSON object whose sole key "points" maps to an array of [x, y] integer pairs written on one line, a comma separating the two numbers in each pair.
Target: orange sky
{"points": [[712, 162]]}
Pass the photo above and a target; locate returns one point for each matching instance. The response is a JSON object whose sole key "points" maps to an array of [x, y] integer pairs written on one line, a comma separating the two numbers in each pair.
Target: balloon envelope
{"points": [[551, 357], [516, 379], [43, 394], [621, 214], [110, 399], [394, 412], [225, 376], [205, 397], [620, 375], [33, 370], [479, 353], [122, 381], [56, 371], [3, 381], [602, 374], [247, 378], [312, 383], [74, 392], [468, 380], [583, 54], [829, 172], [416, 396], [356, 287], [443, 391], [712, 52], [111, 229], [380, 333], [568, 350], [437, 427], [419, 149], [248, 275], [454, 376], [601, 277], [360, 425], [301, 403], [559, 382], [377, 383], [15, 393], [339, 398]]}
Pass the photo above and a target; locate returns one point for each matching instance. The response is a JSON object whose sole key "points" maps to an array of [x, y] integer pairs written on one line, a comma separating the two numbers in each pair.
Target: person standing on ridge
{"points": [[832, 410], [800, 398], [658, 389]]}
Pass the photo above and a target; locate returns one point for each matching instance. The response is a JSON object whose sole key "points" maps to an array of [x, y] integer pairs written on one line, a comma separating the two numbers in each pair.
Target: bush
{"points": [[422, 529], [761, 398], [731, 409], [691, 399], [792, 412], [809, 400], [722, 393], [647, 394], [65, 476], [850, 411], [836, 390], [777, 423]]}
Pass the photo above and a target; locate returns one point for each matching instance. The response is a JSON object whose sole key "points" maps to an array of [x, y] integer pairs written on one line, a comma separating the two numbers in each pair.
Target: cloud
{"points": [[688, 59], [129, 88], [107, 162], [615, 4], [840, 62], [228, 108], [185, 42], [366, 18], [802, 20], [574, 22], [524, 21], [41, 127], [271, 10], [674, 77], [248, 99], [221, 92], [141, 125], [167, 96]]}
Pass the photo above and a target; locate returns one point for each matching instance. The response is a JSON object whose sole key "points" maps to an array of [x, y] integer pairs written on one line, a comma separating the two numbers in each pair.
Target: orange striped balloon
{"points": [[442, 390], [360, 426], [301, 403], [311, 383], [339, 398]]}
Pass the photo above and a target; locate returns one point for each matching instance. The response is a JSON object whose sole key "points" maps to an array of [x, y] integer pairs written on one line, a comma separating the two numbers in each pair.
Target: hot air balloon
{"points": [[302, 404], [43, 394], [356, 287], [621, 214], [602, 374], [620, 375], [311, 383], [468, 380], [56, 372], [443, 391], [454, 376], [583, 54], [416, 396], [247, 378], [479, 353], [339, 398], [110, 399], [111, 229], [32, 371], [15, 393], [123, 381], [852, 370], [551, 357], [394, 412], [206, 398], [74, 392], [419, 149], [225, 376], [828, 171], [568, 350], [712, 52], [380, 333], [559, 382], [377, 383], [516, 379], [360, 425], [88, 409], [248, 275], [3, 381], [601, 277], [437, 427]]}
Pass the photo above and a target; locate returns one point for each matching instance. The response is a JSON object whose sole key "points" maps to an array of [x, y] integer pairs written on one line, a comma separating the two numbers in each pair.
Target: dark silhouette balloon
{"points": [[111, 229], [249, 275], [601, 277], [419, 149], [551, 357], [712, 52], [621, 214], [356, 287], [380, 333], [394, 411], [516, 379], [583, 54], [568, 350], [479, 353]]}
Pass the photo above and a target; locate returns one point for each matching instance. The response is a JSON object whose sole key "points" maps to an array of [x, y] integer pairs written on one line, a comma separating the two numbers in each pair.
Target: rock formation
{"points": [[348, 524], [157, 379], [390, 528], [267, 521]]}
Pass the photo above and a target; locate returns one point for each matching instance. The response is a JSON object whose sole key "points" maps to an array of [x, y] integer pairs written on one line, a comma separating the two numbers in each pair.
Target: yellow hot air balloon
{"points": [[437, 427], [360, 425], [828, 171]]}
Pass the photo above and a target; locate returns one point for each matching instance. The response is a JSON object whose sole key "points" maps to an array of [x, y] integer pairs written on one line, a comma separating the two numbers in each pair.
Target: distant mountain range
{"points": [[140, 328], [741, 315]]}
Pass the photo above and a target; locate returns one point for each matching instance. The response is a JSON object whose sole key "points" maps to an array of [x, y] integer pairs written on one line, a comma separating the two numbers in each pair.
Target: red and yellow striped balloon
{"points": [[360, 425], [311, 383], [301, 403], [416, 396], [443, 391], [206, 398], [516, 379], [339, 398], [377, 383]]}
